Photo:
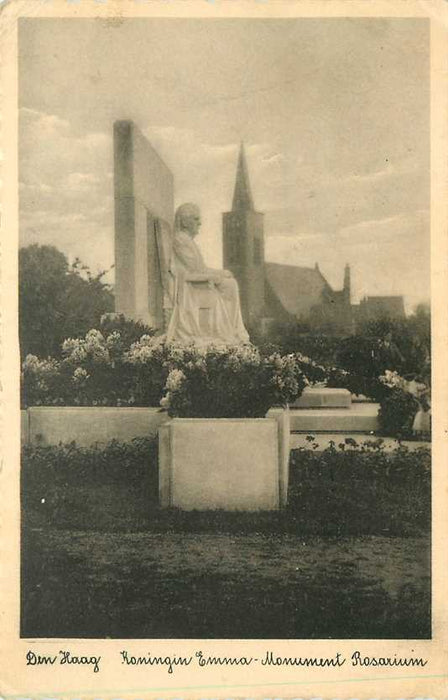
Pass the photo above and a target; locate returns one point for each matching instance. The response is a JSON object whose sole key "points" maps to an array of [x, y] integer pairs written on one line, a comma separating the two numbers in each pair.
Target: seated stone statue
{"points": [[193, 278]]}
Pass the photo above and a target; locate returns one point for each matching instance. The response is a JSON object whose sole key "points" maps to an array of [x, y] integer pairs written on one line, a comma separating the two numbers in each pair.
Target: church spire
{"points": [[242, 195]]}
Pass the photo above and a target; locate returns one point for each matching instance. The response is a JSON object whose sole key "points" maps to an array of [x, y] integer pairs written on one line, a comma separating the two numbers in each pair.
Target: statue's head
{"points": [[188, 219]]}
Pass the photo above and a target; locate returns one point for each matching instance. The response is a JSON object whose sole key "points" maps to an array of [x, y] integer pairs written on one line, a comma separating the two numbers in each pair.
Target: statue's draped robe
{"points": [[226, 324]]}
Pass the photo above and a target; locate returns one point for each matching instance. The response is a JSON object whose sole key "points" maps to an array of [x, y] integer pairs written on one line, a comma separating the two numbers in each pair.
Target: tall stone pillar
{"points": [[143, 190]]}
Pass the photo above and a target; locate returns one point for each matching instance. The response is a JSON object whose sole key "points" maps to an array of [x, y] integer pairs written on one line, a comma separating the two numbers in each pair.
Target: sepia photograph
{"points": [[224, 298]]}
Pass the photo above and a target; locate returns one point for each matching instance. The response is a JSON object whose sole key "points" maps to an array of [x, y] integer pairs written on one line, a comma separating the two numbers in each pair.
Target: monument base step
{"points": [[323, 397], [359, 418]]}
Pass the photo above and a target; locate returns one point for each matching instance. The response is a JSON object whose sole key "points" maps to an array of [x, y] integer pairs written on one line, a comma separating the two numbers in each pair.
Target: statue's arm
{"points": [[210, 276], [188, 259], [198, 276]]}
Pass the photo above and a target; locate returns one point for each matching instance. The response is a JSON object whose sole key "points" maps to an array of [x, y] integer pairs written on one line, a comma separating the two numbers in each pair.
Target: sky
{"points": [[334, 114]]}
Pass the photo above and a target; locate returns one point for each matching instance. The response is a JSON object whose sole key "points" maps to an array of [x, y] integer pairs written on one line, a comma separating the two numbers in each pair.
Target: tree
{"points": [[57, 300], [402, 344]]}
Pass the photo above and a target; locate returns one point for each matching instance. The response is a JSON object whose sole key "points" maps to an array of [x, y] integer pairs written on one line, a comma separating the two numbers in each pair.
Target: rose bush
{"points": [[400, 404], [186, 380], [230, 382], [115, 366], [42, 382]]}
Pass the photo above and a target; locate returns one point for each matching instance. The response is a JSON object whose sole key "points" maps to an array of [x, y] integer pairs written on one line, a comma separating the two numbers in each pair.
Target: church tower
{"points": [[347, 284], [243, 245]]}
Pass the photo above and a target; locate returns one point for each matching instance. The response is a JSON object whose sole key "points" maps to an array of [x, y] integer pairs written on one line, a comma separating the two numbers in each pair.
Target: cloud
{"points": [[82, 181], [315, 202], [205, 173], [387, 256], [395, 226], [374, 219], [66, 196], [45, 121], [49, 149]]}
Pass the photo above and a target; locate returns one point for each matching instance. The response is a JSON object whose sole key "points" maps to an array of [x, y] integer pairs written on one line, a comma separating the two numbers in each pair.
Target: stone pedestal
{"points": [[230, 464], [323, 397]]}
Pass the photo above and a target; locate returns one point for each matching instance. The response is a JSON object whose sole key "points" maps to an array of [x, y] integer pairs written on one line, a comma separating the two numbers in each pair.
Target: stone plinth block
{"points": [[360, 418], [316, 397], [233, 464], [90, 425]]}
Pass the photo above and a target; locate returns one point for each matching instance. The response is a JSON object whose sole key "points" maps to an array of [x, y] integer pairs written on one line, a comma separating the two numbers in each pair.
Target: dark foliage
{"points": [[397, 413], [100, 559], [403, 345], [238, 383], [130, 331], [356, 489], [57, 300], [92, 371]]}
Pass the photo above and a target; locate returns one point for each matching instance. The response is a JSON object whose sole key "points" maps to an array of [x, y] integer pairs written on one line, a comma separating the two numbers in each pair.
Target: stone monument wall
{"points": [[143, 194]]}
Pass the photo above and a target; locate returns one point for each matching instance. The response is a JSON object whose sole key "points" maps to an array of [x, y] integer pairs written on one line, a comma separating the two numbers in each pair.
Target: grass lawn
{"points": [[348, 558], [163, 585]]}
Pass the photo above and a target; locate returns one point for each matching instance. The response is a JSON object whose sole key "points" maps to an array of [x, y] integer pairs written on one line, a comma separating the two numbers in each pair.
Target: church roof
{"points": [[383, 305], [242, 195], [298, 289]]}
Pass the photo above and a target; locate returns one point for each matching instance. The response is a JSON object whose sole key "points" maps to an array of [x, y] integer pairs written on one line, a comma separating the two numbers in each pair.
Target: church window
{"points": [[257, 251], [234, 250]]}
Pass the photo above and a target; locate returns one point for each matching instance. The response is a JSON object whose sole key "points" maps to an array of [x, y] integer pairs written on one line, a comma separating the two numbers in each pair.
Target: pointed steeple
{"points": [[242, 195]]}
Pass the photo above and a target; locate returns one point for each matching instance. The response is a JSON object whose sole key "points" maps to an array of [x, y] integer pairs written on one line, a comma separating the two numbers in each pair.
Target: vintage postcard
{"points": [[224, 273]]}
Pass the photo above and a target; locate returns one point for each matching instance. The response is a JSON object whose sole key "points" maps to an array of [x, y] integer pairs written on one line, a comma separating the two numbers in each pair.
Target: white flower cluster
{"points": [[305, 360], [145, 350], [36, 365], [80, 375], [113, 341], [93, 347], [174, 382], [175, 379], [393, 380], [40, 373]]}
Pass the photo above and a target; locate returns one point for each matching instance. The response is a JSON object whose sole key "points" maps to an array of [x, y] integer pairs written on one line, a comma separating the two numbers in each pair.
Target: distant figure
{"points": [[421, 426], [192, 275]]}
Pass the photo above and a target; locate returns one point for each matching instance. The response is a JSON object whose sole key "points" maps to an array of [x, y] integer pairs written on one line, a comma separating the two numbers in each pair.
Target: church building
{"points": [[272, 291]]}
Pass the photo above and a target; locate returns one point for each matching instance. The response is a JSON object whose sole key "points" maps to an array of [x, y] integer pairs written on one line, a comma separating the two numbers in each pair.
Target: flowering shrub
{"points": [[401, 403], [42, 382], [91, 372], [92, 365], [229, 382], [315, 373], [188, 381], [393, 380], [105, 368], [148, 362], [397, 413]]}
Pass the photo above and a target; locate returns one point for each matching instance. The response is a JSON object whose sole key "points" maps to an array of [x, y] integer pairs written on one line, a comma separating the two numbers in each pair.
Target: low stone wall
{"points": [[48, 425], [87, 426]]}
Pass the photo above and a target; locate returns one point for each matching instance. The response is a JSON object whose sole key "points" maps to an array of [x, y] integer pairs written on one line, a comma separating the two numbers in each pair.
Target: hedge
{"points": [[350, 489]]}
